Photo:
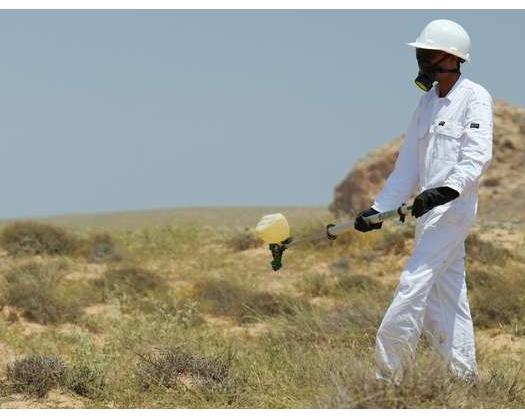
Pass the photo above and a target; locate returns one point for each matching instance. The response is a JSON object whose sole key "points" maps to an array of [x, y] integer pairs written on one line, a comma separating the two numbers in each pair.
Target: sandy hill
{"points": [[501, 197]]}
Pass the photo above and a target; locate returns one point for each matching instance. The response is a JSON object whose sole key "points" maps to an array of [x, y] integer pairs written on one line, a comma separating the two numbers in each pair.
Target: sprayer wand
{"points": [[331, 232]]}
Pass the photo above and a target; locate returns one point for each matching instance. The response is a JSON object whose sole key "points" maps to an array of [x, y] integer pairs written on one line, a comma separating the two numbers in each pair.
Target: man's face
{"points": [[434, 66], [430, 57]]}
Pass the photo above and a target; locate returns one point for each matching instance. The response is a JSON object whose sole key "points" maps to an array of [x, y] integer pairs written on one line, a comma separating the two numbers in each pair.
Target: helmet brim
{"points": [[424, 45]]}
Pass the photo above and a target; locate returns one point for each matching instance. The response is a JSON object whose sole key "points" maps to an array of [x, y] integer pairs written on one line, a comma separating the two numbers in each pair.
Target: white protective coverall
{"points": [[448, 143]]}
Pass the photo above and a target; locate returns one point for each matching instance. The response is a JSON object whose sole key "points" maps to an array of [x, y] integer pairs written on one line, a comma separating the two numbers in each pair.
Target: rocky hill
{"points": [[501, 191]]}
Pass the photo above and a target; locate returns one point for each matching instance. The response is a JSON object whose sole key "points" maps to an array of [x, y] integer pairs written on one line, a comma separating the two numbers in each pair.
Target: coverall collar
{"points": [[452, 91]]}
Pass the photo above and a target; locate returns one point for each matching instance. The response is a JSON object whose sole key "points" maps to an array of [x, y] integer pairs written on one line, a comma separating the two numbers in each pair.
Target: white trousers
{"points": [[431, 298]]}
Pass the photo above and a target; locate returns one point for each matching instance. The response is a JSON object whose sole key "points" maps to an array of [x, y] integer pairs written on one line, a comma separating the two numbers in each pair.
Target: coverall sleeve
{"points": [[476, 150], [403, 179]]}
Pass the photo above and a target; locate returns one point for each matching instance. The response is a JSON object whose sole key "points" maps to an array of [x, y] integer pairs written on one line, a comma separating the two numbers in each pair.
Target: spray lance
{"points": [[274, 230]]}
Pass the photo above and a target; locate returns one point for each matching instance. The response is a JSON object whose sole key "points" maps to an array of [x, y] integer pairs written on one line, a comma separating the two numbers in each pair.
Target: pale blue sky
{"points": [[118, 110]]}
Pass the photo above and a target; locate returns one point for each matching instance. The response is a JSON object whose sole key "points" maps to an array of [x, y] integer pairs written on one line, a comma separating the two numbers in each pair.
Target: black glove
{"points": [[361, 224], [431, 198]]}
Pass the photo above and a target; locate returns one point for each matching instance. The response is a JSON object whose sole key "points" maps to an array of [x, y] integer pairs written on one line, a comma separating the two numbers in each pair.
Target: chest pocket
{"points": [[447, 137]]}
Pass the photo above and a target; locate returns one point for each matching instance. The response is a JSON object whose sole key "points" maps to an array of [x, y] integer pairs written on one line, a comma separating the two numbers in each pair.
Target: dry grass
{"points": [[349, 282], [496, 287], [486, 252], [244, 240], [316, 285], [341, 283], [302, 337], [497, 297], [393, 240], [223, 297], [428, 385]]}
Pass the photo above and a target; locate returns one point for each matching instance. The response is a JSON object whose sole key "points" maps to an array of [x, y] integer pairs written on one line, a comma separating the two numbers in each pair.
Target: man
{"points": [[448, 145]]}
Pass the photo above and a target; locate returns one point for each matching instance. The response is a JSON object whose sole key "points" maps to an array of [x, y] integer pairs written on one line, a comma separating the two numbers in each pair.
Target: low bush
{"points": [[226, 298], [36, 374], [130, 281], [85, 380], [491, 182], [38, 290], [102, 248], [31, 238], [244, 240], [174, 367]]}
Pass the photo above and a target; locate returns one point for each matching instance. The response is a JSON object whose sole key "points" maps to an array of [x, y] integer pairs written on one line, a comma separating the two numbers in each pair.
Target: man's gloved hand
{"points": [[361, 224], [431, 198]]}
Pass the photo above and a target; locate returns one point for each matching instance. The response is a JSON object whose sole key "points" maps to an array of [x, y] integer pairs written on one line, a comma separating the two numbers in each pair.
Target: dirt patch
{"points": [[102, 310], [54, 400], [249, 331], [493, 344], [89, 271], [504, 237], [30, 328]]}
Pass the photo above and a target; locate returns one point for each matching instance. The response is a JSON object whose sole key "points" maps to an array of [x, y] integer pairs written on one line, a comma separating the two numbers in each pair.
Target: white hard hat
{"points": [[444, 35]]}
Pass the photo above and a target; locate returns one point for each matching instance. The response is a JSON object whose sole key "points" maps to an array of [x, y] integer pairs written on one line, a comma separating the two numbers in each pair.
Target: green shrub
{"points": [[129, 281], [38, 290], [85, 380], [31, 238], [101, 248]]}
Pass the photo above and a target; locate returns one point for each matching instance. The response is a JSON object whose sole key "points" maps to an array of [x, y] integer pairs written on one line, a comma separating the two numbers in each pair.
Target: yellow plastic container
{"points": [[273, 228]]}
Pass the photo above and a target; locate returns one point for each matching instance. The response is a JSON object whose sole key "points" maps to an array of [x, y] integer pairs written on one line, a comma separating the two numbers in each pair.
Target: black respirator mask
{"points": [[428, 70]]}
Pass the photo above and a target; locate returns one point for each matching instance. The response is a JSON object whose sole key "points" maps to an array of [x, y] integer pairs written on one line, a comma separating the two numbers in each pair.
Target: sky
{"points": [[130, 110]]}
